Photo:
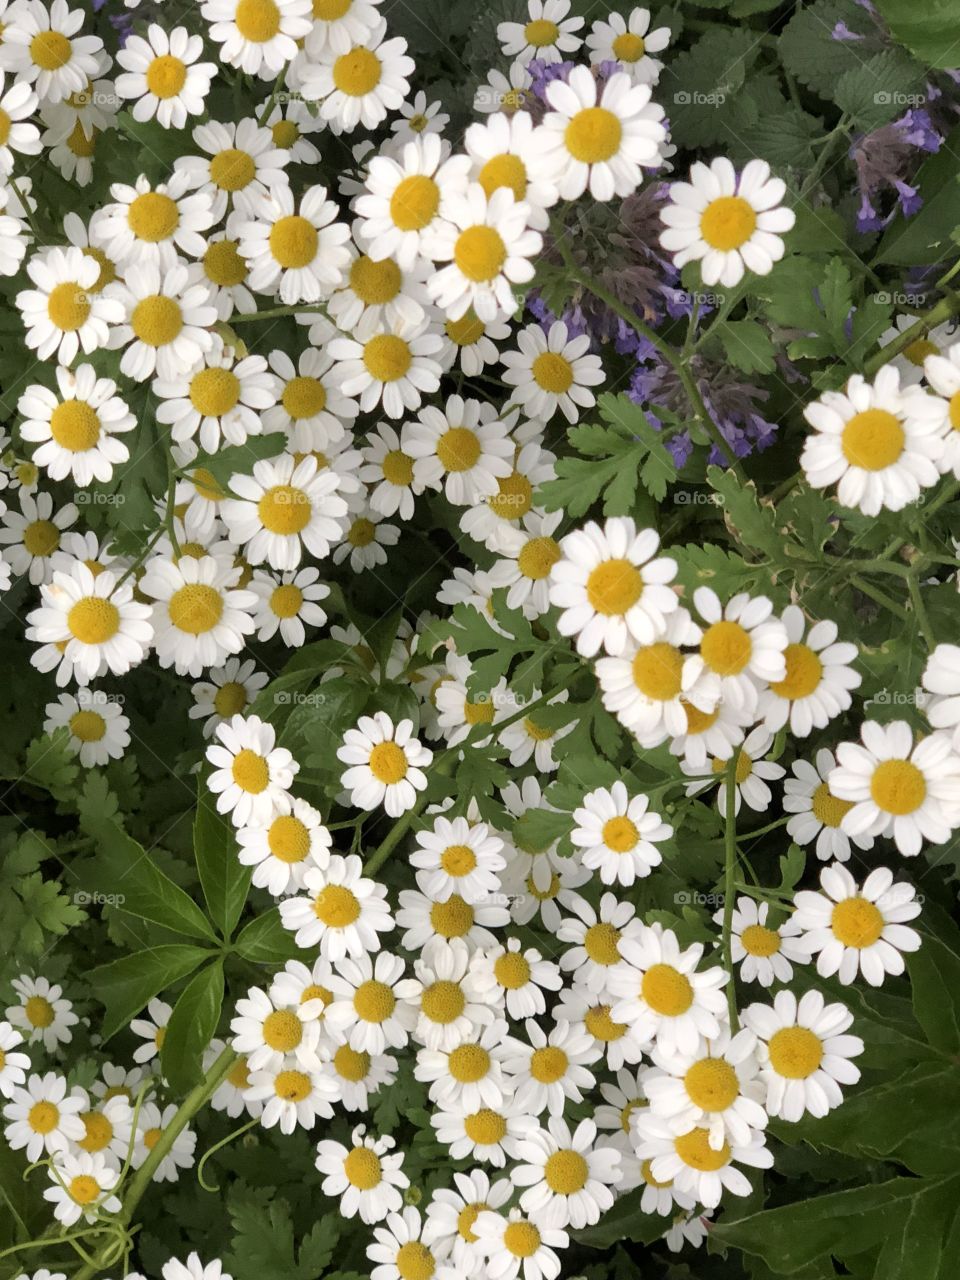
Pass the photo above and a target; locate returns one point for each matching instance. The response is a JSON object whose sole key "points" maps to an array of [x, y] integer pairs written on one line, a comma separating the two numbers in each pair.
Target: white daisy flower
{"points": [[514, 1243], [359, 1076], [728, 222], [152, 1029], [590, 1011], [298, 987], [489, 1134], [527, 563], [108, 1130], [17, 134], [507, 93], [193, 1268], [458, 857], [389, 472], [311, 407], [201, 615], [63, 313], [742, 648], [569, 1179], [227, 692], [251, 774], [295, 250], [546, 36], [804, 1053], [911, 361], [516, 978], [118, 1082], [41, 1118], [98, 728], [282, 851], [396, 364], [419, 117], [552, 1068], [499, 520], [224, 272], [468, 1075], [404, 198], [463, 448], [595, 935], [687, 1228], [339, 24], [751, 775], [284, 508], [941, 677], [900, 789], [271, 1038], [13, 1066], [341, 910], [14, 234], [451, 1003], [43, 1014], [424, 918], [709, 733], [382, 289], [687, 1159], [151, 226], [41, 47], [879, 443], [629, 41], [399, 1251], [941, 371], [364, 540], [284, 605], [167, 321], [611, 588], [163, 76], [362, 85], [31, 536], [763, 953], [817, 813], [504, 152], [658, 990], [241, 162], [855, 930], [366, 1177], [81, 1187], [223, 398], [471, 343], [550, 372], [88, 625], [373, 1003], [618, 834], [621, 1102], [230, 1095], [257, 36], [292, 1097], [452, 1215], [818, 681], [601, 139], [75, 431], [290, 122], [385, 762]]}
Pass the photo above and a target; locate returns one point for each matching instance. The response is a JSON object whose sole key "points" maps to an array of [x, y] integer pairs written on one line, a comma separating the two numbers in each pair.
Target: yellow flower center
{"points": [[315, 992], [375, 283], [458, 449], [601, 943], [522, 1239], [387, 357], [465, 331], [153, 217], [83, 1189], [336, 906], [955, 411], [565, 1172], [75, 426], [795, 1052], [478, 712], [288, 839], [374, 1001], [78, 142], [898, 787], [626, 1112], [415, 1261], [742, 771], [41, 537], [294, 242], [195, 608], [214, 392], [362, 1169], [758, 940], [613, 587], [873, 439], [250, 771], [232, 169], [485, 1127], [505, 170], [620, 834], [628, 47], [916, 352], [285, 134], [388, 763], [537, 557], [726, 648], [282, 1031], [548, 1065], [68, 306], [93, 620], [829, 809], [40, 1012], [331, 10], [397, 468], [50, 50], [357, 73], [666, 990], [257, 20], [712, 1084], [695, 1151], [414, 202], [43, 1117], [286, 601], [151, 1138], [362, 532], [88, 726], [541, 32], [304, 397], [512, 970], [552, 372], [513, 100], [593, 135], [239, 1074], [468, 1063], [467, 1218], [351, 1065], [480, 253], [157, 320], [443, 1002], [285, 510], [98, 1132], [514, 499], [658, 671], [601, 1026], [223, 264], [108, 271], [728, 222], [453, 918], [292, 1086], [649, 1179], [804, 670], [230, 699], [458, 860], [856, 923], [166, 76]]}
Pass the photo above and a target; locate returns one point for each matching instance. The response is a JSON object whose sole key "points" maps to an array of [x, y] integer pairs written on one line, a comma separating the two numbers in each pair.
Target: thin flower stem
{"points": [[944, 309], [919, 608], [218, 1146], [729, 882], [274, 313], [762, 831], [881, 598]]}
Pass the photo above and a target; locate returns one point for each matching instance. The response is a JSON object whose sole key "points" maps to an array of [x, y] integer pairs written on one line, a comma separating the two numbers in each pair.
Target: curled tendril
{"points": [[217, 1146]]}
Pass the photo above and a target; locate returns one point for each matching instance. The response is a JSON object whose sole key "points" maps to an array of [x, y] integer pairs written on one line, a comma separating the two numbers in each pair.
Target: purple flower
{"points": [[886, 159]]}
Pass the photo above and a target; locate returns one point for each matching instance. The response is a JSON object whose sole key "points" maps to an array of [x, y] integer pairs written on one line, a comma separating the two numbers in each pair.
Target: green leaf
{"points": [[239, 459], [755, 523], [879, 89], [925, 236], [809, 51], [700, 87], [265, 940], [747, 346], [930, 30], [126, 985], [264, 1244], [935, 987], [191, 1027], [225, 881]]}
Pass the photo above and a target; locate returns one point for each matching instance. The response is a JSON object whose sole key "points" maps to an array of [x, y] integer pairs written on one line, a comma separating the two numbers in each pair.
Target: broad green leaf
{"points": [[878, 89], [935, 986], [126, 985], [191, 1027], [929, 29], [925, 236], [747, 345], [265, 940], [225, 881]]}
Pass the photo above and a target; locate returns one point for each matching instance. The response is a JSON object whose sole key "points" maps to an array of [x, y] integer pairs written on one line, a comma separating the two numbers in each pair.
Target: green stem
{"points": [[762, 831], [840, 131], [881, 598], [944, 309], [729, 882], [919, 608], [274, 313]]}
